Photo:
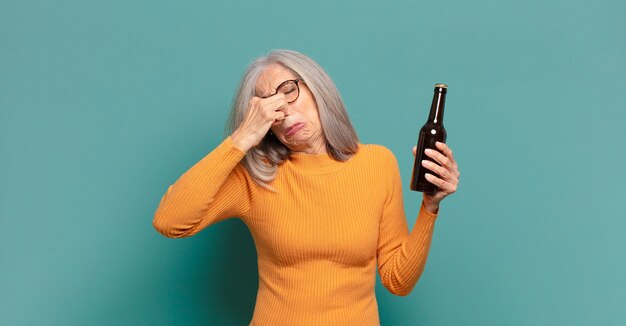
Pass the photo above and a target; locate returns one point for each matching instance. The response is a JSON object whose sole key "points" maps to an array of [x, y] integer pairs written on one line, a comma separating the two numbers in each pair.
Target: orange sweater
{"points": [[318, 237]]}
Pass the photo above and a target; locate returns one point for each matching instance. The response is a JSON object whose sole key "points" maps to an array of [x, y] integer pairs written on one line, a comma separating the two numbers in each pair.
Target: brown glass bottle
{"points": [[432, 132]]}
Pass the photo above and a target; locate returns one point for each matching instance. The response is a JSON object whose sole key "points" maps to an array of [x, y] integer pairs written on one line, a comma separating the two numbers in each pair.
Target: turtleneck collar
{"points": [[316, 163]]}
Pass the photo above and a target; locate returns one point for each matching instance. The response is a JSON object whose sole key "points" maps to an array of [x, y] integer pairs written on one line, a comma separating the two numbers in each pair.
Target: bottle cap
{"points": [[442, 86]]}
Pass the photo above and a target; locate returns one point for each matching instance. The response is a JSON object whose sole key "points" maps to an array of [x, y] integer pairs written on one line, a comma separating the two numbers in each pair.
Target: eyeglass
{"points": [[290, 88]]}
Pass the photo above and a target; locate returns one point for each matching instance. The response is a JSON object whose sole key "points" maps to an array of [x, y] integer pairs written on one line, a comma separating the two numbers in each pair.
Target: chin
{"points": [[295, 141]]}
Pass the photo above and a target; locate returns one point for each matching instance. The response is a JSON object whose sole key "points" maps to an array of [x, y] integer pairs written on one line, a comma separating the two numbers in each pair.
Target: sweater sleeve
{"points": [[402, 256], [215, 188]]}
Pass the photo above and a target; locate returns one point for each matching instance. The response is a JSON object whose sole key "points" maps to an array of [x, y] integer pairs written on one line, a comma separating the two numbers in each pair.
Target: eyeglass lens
{"points": [[290, 89]]}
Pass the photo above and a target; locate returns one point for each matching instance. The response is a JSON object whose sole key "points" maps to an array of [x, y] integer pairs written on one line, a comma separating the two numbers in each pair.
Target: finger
{"points": [[453, 168], [265, 105], [444, 148], [444, 186], [438, 157], [278, 116], [270, 108], [275, 100], [414, 151], [442, 172], [277, 95], [435, 180], [447, 151], [272, 103]]}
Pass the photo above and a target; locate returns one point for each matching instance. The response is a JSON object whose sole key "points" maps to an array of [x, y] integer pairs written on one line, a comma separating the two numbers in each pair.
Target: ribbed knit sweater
{"points": [[319, 236]]}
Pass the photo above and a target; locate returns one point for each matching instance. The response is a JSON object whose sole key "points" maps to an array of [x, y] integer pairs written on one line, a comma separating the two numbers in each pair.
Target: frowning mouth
{"points": [[294, 128]]}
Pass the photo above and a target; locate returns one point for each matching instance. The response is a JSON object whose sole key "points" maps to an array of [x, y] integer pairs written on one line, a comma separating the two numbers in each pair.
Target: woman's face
{"points": [[301, 130]]}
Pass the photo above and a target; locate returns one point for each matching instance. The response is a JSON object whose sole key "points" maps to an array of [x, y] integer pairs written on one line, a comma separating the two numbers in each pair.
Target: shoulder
{"points": [[376, 151], [383, 161], [378, 155]]}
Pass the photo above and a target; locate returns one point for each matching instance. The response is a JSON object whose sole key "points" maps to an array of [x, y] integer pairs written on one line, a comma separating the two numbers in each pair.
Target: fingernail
{"points": [[423, 162]]}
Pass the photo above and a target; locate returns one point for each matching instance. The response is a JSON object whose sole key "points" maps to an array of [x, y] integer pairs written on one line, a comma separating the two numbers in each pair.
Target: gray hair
{"points": [[341, 141]]}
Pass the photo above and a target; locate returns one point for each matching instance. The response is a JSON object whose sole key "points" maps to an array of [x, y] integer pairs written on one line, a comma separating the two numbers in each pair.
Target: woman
{"points": [[323, 209]]}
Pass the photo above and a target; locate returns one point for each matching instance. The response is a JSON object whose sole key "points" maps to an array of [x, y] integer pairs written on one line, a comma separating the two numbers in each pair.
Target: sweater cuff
{"points": [[424, 211], [228, 142]]}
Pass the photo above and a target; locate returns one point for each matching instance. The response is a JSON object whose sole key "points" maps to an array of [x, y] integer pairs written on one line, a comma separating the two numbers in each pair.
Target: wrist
{"points": [[240, 142], [431, 206]]}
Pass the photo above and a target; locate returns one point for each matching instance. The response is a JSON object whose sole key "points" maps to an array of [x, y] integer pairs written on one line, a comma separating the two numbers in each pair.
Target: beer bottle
{"points": [[431, 132]]}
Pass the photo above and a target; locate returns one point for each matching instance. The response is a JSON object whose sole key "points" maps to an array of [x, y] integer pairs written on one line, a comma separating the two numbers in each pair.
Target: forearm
{"points": [[187, 201], [403, 270]]}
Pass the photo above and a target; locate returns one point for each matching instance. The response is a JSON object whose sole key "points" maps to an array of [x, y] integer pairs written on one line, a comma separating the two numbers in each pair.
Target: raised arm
{"points": [[218, 187], [215, 188], [402, 256]]}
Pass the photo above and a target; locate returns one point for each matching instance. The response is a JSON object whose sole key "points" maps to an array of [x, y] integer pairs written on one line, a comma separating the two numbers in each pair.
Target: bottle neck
{"points": [[436, 108]]}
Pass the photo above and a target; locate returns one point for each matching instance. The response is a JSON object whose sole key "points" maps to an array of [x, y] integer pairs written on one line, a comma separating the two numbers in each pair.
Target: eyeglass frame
{"points": [[296, 81]]}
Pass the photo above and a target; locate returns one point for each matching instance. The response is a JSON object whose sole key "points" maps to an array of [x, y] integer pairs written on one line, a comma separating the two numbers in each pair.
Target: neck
{"points": [[316, 145]]}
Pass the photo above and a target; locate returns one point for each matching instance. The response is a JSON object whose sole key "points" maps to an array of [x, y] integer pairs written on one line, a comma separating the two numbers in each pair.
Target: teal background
{"points": [[103, 104]]}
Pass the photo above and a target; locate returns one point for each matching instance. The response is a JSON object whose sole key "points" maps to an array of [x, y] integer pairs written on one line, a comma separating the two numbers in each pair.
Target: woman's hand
{"points": [[261, 115], [447, 171]]}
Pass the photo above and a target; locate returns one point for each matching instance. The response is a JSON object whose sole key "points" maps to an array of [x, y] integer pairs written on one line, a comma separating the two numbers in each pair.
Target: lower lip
{"points": [[295, 129]]}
